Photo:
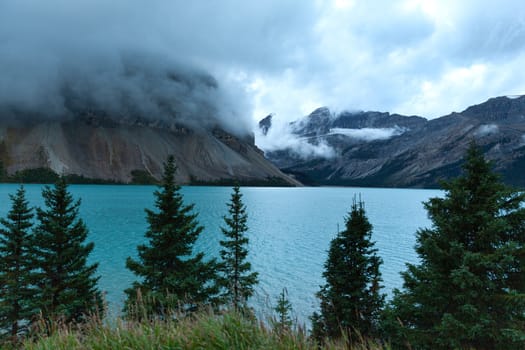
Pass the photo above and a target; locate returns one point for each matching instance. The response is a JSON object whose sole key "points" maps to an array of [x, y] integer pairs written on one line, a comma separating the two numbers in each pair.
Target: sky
{"points": [[287, 57]]}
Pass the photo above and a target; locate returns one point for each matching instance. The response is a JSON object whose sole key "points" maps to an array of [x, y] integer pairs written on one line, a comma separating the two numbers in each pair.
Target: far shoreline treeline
{"points": [[46, 176]]}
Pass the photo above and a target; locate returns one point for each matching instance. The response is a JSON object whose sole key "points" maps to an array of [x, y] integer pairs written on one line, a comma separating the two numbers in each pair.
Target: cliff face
{"points": [[111, 151], [415, 152]]}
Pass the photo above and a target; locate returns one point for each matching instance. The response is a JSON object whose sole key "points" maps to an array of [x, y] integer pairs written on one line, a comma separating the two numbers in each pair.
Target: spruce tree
{"points": [[236, 279], [173, 278], [16, 268], [468, 289], [66, 282], [283, 323], [350, 301]]}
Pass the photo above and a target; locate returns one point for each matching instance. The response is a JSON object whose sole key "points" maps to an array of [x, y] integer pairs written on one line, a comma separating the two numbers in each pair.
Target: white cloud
{"points": [[280, 137], [486, 129], [447, 93], [368, 134]]}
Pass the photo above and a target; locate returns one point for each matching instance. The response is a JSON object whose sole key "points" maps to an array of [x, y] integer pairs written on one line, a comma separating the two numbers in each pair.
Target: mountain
{"points": [[391, 150], [265, 124], [100, 148]]}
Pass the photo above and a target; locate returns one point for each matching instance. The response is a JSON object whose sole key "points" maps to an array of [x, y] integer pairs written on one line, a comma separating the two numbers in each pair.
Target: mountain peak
{"points": [[265, 124]]}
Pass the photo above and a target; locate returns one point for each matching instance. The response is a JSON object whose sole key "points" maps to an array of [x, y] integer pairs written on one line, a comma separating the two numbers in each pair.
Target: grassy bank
{"points": [[204, 331]]}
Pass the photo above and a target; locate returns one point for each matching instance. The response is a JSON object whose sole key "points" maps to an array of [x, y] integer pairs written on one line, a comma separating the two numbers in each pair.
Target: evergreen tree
{"points": [[350, 301], [173, 278], [237, 280], [468, 289], [16, 272], [67, 283], [283, 323]]}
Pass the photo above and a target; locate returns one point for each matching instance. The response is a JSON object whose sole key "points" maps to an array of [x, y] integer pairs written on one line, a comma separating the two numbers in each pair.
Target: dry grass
{"points": [[206, 330]]}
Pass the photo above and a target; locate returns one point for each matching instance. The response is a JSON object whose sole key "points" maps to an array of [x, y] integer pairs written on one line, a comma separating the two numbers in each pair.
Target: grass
{"points": [[206, 330]]}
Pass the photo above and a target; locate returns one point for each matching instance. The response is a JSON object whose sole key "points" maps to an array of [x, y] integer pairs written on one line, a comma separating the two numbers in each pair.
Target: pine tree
{"points": [[173, 278], [67, 283], [236, 279], [468, 289], [16, 271], [350, 301]]}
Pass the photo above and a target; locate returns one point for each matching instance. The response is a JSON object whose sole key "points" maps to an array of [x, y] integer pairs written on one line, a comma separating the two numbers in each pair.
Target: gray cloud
{"points": [[132, 58], [488, 30], [413, 57]]}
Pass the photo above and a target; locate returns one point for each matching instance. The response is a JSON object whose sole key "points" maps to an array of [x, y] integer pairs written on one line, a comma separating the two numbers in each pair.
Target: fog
{"points": [[60, 60]]}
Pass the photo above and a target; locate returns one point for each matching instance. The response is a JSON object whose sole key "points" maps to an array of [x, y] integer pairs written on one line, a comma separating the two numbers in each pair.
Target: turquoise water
{"points": [[290, 231]]}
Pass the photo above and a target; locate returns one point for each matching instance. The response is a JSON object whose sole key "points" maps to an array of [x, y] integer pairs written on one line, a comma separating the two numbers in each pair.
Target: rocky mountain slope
{"points": [[100, 148], [382, 149]]}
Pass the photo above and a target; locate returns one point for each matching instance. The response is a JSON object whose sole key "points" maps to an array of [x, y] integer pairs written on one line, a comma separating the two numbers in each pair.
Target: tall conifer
{"points": [[66, 282], [16, 268], [236, 279], [468, 291], [172, 276], [350, 300]]}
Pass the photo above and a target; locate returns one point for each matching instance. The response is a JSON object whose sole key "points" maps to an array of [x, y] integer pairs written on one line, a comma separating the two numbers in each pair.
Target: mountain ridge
{"points": [[420, 154], [104, 149]]}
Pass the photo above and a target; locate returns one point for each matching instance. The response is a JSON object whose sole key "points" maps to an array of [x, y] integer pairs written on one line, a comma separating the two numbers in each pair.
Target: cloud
{"points": [[486, 129], [425, 57], [158, 60], [281, 137], [129, 86], [368, 134], [410, 57]]}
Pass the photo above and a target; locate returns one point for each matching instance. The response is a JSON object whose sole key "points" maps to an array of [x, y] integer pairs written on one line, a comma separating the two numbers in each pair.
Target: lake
{"points": [[289, 230]]}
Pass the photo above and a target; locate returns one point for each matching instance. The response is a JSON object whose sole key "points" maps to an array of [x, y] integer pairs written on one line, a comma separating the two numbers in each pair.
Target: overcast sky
{"points": [[419, 57]]}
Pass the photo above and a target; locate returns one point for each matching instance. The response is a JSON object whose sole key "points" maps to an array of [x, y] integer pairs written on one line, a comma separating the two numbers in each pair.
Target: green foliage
{"points": [[236, 279], [350, 301], [283, 323], [3, 171], [172, 277], [81, 179], [67, 287], [270, 181], [468, 290], [142, 177], [16, 272], [47, 176], [36, 175]]}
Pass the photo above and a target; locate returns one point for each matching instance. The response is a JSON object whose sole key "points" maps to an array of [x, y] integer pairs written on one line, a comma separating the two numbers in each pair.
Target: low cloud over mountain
{"points": [[62, 59]]}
